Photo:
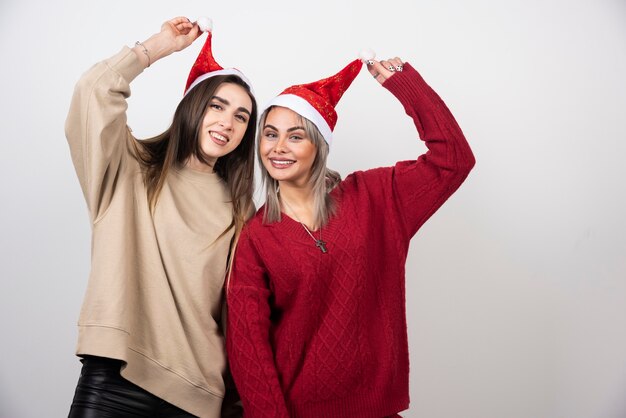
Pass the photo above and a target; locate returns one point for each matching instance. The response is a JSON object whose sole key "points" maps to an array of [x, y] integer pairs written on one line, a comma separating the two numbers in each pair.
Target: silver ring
{"points": [[375, 75], [399, 68]]}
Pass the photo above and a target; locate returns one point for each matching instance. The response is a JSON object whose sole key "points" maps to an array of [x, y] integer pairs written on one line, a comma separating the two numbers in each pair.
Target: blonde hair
{"points": [[322, 178]]}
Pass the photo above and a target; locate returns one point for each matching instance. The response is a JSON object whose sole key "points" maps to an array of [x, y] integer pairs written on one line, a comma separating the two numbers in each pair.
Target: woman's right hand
{"points": [[176, 34], [181, 32]]}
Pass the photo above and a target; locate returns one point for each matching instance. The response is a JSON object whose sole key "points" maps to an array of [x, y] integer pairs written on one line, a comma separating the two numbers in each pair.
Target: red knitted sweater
{"points": [[324, 335]]}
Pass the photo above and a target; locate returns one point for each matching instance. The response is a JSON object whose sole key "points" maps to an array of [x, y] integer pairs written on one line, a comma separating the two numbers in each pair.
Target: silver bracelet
{"points": [[145, 51]]}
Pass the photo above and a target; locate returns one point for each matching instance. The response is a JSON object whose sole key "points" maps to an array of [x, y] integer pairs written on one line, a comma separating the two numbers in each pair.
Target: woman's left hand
{"points": [[382, 70]]}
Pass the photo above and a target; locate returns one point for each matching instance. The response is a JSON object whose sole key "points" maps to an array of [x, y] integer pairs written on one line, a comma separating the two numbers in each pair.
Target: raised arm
{"points": [[419, 187], [96, 128]]}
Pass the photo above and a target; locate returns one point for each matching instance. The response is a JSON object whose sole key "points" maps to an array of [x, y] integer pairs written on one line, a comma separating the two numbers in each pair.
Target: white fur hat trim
{"points": [[303, 108]]}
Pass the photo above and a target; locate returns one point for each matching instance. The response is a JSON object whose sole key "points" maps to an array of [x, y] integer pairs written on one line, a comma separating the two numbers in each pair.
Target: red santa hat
{"points": [[316, 101], [205, 65]]}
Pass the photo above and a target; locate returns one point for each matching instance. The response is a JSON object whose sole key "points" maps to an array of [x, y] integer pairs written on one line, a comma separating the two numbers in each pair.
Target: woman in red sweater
{"points": [[317, 323]]}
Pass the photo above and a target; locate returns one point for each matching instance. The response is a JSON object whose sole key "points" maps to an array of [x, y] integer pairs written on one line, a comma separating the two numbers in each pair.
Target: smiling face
{"points": [[225, 121], [286, 151]]}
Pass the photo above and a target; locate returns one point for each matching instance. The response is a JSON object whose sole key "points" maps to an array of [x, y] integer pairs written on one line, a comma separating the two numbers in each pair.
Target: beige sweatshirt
{"points": [[155, 289]]}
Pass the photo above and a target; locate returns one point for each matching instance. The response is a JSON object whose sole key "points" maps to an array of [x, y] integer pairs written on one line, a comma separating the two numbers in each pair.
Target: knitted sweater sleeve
{"points": [[248, 344], [96, 127], [416, 189]]}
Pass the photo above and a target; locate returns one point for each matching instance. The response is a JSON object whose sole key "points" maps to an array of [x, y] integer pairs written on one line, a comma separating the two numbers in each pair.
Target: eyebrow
{"points": [[295, 128], [227, 103]]}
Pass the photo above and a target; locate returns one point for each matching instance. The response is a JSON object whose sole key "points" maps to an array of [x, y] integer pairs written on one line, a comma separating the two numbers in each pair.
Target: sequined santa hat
{"points": [[205, 65], [316, 101]]}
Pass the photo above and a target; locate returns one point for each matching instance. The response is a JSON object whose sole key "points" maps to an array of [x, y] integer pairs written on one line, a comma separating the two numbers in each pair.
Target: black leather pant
{"points": [[102, 392]]}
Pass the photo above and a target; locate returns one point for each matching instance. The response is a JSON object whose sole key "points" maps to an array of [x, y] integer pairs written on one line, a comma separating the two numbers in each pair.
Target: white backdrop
{"points": [[516, 288]]}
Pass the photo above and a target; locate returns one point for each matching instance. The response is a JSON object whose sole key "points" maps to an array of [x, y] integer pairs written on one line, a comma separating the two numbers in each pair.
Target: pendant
{"points": [[321, 245]]}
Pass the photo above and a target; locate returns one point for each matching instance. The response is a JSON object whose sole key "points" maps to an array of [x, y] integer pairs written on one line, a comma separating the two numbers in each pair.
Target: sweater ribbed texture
{"points": [[316, 335]]}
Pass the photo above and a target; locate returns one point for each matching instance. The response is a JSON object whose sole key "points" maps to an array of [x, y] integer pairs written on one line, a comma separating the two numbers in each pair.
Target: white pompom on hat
{"points": [[205, 24], [367, 55]]}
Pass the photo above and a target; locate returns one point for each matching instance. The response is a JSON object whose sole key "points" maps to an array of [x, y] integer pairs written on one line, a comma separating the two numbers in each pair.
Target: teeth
{"points": [[283, 162], [219, 137]]}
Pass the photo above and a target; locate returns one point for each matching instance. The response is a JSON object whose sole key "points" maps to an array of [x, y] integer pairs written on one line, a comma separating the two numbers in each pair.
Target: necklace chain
{"points": [[318, 242]]}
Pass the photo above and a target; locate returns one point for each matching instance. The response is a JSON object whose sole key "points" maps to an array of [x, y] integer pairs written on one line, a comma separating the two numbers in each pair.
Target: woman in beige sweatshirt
{"points": [[164, 213]]}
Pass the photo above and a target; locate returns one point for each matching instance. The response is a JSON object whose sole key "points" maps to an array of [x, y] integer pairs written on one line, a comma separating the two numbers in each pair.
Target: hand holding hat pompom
{"points": [[182, 32], [176, 34], [380, 70]]}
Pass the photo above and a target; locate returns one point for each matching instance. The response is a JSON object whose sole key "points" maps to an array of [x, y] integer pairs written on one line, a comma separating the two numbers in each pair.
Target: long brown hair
{"points": [[181, 140], [323, 179]]}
